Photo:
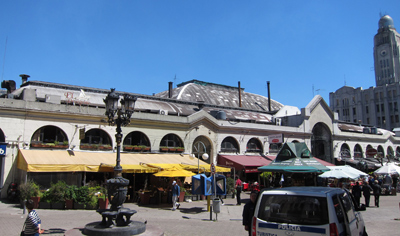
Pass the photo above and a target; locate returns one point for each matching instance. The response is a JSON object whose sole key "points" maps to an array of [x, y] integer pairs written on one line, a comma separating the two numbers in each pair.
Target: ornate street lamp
{"points": [[120, 117], [117, 186]]}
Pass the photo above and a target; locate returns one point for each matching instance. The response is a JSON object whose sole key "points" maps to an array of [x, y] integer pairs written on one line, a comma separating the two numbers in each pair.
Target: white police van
{"points": [[307, 211]]}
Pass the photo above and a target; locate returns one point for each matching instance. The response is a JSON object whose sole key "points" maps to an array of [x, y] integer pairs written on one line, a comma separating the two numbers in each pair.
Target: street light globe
{"points": [[205, 156]]}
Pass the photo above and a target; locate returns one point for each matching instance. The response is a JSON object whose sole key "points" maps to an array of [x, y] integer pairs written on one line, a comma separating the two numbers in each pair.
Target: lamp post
{"points": [[117, 186], [198, 151]]}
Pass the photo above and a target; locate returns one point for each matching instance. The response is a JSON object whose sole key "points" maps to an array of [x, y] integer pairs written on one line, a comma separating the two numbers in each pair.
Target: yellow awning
{"points": [[204, 168], [79, 161]]}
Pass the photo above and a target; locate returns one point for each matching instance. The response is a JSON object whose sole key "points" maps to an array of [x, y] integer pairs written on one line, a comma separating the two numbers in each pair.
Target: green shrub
{"points": [[70, 192], [230, 185], [57, 191], [28, 190], [82, 194]]}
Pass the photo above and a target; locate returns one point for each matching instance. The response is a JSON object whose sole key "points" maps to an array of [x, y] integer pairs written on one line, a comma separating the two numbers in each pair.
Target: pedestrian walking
{"points": [[357, 193], [32, 222], [377, 192], [366, 189], [238, 187], [176, 191], [248, 211]]}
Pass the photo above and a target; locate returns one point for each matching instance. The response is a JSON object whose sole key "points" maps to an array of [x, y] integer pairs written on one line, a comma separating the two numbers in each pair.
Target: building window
{"points": [[383, 120], [391, 119], [354, 111], [367, 120], [396, 117], [382, 107], [394, 93], [395, 106], [337, 102], [366, 109], [377, 108], [390, 107]]}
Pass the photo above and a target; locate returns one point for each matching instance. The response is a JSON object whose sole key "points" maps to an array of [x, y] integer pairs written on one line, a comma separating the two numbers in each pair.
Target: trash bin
{"points": [[217, 205]]}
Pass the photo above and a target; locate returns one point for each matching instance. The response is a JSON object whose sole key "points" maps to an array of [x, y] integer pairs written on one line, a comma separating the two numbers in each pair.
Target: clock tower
{"points": [[386, 53]]}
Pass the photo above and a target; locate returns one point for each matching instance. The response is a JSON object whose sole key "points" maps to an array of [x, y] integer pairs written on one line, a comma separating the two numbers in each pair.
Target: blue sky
{"points": [[139, 46]]}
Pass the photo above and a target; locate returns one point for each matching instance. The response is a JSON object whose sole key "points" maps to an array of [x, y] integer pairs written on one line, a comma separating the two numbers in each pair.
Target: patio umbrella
{"points": [[174, 172], [339, 172], [388, 168]]}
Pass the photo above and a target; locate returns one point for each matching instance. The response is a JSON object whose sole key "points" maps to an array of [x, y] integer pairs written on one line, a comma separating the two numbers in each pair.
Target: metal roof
{"points": [[220, 95]]}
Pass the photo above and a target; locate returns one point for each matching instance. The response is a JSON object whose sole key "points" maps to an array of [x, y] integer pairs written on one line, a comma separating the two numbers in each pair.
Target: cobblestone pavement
{"points": [[191, 218]]}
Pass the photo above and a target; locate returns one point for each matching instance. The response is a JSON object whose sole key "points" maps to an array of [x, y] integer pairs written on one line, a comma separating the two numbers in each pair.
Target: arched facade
{"points": [[202, 145], [321, 142], [254, 145], [381, 152], [230, 145], [358, 152], [345, 151], [96, 139], [171, 143], [136, 141], [49, 136]]}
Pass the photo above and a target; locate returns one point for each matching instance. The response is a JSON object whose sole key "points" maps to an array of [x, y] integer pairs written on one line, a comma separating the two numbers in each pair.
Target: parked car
{"points": [[305, 211]]}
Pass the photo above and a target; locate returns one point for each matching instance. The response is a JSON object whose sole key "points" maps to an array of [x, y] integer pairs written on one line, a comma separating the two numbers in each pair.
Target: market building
{"points": [[59, 131]]}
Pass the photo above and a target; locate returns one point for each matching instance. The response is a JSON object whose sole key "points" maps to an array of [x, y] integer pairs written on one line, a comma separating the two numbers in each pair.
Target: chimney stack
{"points": [[269, 97], [240, 95], [169, 89], [24, 78]]}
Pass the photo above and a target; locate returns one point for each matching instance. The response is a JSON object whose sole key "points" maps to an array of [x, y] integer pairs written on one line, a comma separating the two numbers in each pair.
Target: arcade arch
{"points": [[321, 142]]}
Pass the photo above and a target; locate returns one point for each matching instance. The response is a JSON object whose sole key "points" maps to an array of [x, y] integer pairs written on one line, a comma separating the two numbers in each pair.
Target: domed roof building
{"points": [[386, 22]]}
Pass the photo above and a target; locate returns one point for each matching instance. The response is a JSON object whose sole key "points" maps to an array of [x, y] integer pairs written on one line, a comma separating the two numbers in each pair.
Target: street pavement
{"points": [[191, 218]]}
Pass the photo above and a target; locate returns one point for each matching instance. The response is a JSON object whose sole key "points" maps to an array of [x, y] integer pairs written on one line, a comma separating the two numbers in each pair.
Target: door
{"points": [[351, 221]]}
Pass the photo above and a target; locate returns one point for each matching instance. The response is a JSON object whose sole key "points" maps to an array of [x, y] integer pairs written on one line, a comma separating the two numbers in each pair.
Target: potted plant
{"points": [[82, 195], [30, 190], [45, 202], [103, 201], [181, 197], [102, 198], [163, 149], [70, 196], [230, 186], [145, 148], [127, 147], [57, 194], [180, 149], [106, 147]]}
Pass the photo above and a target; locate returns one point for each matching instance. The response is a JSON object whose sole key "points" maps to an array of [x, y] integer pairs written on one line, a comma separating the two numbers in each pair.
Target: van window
{"points": [[348, 206], [338, 209], [303, 210]]}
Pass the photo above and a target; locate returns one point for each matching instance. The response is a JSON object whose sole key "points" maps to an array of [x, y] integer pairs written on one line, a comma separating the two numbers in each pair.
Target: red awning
{"points": [[242, 162]]}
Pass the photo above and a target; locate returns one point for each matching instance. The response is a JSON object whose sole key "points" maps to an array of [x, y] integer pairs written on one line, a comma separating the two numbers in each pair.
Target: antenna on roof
{"points": [[175, 79]]}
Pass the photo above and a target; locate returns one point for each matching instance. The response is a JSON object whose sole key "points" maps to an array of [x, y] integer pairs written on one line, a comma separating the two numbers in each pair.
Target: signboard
{"points": [[3, 148], [212, 168], [371, 152], [275, 138]]}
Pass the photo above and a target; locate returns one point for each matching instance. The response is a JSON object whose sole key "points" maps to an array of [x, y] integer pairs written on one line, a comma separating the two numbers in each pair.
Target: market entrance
{"points": [[321, 142]]}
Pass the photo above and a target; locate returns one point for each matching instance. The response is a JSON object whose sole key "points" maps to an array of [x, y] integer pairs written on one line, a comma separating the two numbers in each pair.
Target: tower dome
{"points": [[386, 22]]}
